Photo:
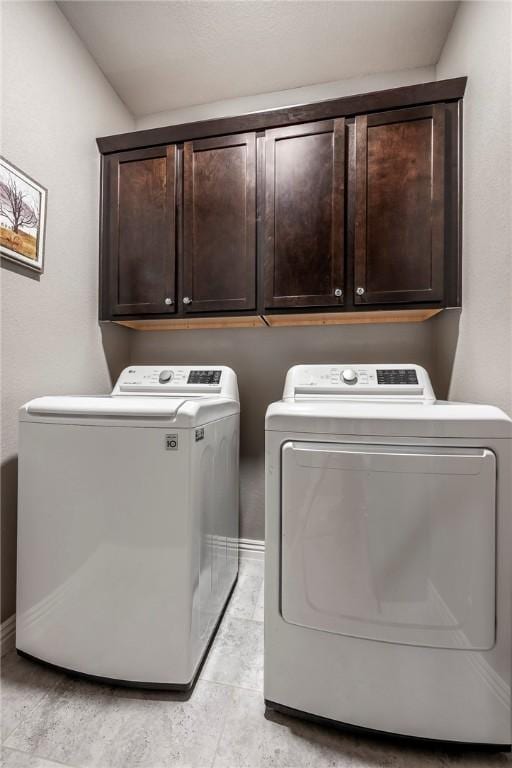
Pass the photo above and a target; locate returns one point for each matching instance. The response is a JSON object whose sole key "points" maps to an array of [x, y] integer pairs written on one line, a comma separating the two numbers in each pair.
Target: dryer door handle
{"points": [[391, 459]]}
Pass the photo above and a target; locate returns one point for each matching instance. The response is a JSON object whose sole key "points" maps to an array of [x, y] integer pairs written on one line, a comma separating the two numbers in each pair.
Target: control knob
{"points": [[349, 376], [165, 376]]}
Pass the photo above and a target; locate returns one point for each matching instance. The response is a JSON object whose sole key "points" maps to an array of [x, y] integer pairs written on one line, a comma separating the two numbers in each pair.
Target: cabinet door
{"points": [[140, 211], [399, 219], [219, 236], [304, 215]]}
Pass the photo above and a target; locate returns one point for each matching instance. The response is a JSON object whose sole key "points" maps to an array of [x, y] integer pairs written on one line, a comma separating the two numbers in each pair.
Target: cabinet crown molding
{"points": [[347, 106]]}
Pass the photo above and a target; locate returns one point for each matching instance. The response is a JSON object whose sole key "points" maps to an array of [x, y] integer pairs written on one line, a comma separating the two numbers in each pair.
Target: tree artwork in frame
{"points": [[22, 217]]}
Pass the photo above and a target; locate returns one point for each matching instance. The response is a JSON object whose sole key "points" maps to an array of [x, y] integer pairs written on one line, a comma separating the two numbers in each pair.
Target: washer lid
{"points": [[106, 406], [185, 412]]}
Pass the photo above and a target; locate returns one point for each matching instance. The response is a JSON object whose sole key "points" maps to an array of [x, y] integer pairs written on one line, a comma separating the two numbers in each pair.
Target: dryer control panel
{"points": [[189, 380], [376, 381]]}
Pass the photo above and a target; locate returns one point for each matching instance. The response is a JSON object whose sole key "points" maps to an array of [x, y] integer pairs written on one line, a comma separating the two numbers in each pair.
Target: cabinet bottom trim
{"points": [[353, 318], [276, 321], [180, 324]]}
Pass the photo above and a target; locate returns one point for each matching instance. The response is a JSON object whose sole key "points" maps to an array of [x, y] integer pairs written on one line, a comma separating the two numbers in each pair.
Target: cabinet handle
{"points": [[168, 301], [187, 300], [338, 292], [360, 291]]}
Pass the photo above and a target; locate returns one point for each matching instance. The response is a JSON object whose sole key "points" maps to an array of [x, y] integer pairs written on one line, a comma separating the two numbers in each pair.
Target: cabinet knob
{"points": [[359, 291], [187, 300], [338, 292], [168, 301]]}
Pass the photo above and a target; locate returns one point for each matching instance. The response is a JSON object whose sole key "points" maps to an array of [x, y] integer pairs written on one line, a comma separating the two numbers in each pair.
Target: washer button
{"points": [[165, 376]]}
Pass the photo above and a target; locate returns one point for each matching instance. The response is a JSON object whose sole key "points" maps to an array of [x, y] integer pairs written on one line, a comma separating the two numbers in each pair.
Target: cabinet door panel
{"points": [[142, 232], [219, 209], [399, 234], [304, 215]]}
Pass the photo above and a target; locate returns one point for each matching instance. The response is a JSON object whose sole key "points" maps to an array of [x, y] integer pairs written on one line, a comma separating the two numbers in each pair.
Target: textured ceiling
{"points": [[166, 55]]}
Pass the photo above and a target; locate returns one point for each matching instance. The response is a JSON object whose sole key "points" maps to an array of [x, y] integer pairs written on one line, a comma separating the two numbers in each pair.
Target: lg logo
{"points": [[171, 442]]}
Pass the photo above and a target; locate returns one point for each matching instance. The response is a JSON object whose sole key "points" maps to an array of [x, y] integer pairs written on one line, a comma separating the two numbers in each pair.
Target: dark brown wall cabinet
{"points": [[399, 232], [343, 206], [304, 215], [219, 213], [138, 276]]}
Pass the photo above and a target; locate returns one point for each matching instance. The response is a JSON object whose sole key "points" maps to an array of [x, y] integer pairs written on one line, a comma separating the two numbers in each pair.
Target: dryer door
{"points": [[393, 543]]}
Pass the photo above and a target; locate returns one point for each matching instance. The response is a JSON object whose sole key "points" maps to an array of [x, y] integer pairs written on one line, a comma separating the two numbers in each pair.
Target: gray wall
{"points": [[474, 356], [304, 95], [261, 357], [55, 101]]}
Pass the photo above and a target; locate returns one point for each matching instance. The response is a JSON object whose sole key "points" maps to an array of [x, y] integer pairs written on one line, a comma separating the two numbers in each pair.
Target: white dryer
{"points": [[128, 524], [388, 555]]}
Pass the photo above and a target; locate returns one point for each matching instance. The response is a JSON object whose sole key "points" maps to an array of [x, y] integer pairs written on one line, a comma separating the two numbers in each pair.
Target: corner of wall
{"points": [[479, 339]]}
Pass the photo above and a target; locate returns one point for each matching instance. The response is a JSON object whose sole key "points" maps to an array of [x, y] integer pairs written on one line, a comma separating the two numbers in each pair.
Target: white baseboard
{"points": [[8, 634], [251, 548]]}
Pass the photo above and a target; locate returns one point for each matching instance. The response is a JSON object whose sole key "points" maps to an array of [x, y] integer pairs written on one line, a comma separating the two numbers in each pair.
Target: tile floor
{"points": [[51, 720]]}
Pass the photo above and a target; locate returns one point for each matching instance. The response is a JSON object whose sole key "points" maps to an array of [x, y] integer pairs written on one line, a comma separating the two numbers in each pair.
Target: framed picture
{"points": [[22, 217]]}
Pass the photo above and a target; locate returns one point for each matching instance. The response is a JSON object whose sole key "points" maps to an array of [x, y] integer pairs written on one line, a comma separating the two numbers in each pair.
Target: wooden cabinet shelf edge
{"points": [[282, 320]]}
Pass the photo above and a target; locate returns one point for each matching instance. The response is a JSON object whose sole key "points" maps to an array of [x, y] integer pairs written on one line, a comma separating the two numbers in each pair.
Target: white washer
{"points": [[388, 555], [128, 524]]}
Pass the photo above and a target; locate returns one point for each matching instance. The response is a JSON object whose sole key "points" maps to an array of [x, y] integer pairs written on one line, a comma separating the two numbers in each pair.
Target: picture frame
{"points": [[22, 217]]}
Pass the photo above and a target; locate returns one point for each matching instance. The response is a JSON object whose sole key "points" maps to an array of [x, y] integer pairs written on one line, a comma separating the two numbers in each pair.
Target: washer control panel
{"points": [[189, 380], [359, 381], [146, 376]]}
